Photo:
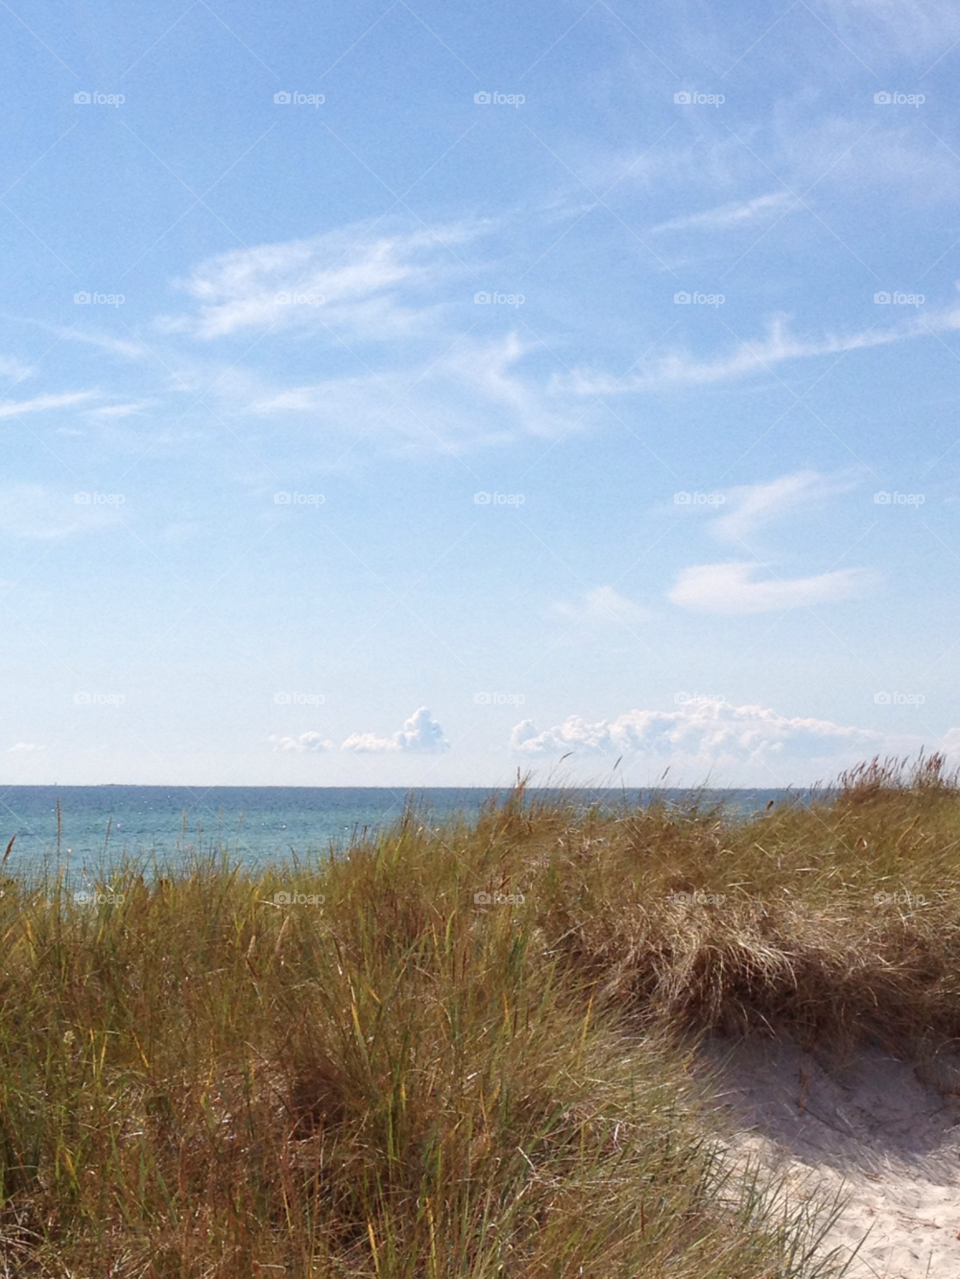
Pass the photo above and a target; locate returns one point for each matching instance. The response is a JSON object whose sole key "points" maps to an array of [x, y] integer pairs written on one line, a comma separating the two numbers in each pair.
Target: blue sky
{"points": [[466, 388]]}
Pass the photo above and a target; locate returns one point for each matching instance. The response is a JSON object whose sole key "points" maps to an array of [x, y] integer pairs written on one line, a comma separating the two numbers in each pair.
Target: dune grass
{"points": [[401, 1081]]}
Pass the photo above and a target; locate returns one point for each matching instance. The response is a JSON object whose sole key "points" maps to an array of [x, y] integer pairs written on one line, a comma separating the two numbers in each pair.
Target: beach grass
{"points": [[464, 1050]]}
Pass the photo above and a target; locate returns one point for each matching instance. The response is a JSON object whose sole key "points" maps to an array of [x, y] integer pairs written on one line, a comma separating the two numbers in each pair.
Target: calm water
{"points": [[256, 824]]}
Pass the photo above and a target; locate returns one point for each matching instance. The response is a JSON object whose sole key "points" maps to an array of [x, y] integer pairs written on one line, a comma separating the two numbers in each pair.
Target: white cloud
{"points": [[421, 734], [681, 369], [12, 408], [26, 746], [752, 505], [700, 734], [730, 215], [311, 742], [475, 392], [604, 604], [727, 588], [355, 271]]}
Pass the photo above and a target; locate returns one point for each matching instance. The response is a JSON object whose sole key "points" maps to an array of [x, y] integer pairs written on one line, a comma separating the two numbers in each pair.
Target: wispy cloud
{"points": [[604, 605], [726, 216], [749, 506], [679, 368], [420, 735], [40, 403], [346, 279], [26, 747], [728, 588]]}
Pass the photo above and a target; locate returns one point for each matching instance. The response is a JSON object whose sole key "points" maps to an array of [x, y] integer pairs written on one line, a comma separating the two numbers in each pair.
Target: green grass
{"points": [[403, 1083]]}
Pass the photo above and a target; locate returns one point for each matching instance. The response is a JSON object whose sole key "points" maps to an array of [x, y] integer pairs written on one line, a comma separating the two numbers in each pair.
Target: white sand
{"points": [[869, 1128]]}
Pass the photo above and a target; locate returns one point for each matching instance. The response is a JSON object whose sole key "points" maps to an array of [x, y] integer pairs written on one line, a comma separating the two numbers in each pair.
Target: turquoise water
{"points": [[255, 824]]}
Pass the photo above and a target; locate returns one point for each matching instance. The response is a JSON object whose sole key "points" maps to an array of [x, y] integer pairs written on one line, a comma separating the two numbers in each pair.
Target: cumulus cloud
{"points": [[727, 588], [306, 742], [728, 215], [700, 732], [420, 735]]}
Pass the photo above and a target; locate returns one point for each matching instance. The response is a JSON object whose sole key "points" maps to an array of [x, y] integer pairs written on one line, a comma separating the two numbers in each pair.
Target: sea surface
{"points": [[260, 824]]}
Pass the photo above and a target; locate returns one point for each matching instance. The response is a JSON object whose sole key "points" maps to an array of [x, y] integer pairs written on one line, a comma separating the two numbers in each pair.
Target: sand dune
{"points": [[882, 1132]]}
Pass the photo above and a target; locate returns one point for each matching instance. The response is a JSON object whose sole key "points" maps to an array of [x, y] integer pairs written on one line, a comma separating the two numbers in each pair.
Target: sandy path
{"points": [[868, 1128]]}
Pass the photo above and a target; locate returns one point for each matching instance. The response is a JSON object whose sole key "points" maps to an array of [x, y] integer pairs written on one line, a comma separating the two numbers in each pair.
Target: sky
{"points": [[408, 394]]}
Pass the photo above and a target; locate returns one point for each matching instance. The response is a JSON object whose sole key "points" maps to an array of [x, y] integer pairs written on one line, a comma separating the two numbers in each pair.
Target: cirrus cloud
{"points": [[727, 588]]}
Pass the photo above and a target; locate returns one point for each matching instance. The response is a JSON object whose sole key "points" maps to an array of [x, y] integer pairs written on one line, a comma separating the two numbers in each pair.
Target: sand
{"points": [[883, 1132]]}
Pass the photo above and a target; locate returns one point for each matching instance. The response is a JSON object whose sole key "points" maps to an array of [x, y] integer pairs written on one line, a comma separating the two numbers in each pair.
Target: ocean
{"points": [[256, 825]]}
